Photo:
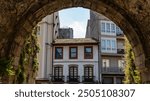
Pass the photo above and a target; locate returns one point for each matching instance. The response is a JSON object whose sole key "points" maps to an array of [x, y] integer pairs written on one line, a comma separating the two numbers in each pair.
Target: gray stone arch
{"points": [[131, 16]]}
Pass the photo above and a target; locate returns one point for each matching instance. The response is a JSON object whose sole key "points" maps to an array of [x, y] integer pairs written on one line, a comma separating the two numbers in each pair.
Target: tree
{"points": [[132, 75]]}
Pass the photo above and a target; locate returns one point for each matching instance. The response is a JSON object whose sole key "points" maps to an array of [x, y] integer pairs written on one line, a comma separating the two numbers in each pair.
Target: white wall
{"points": [[80, 61], [45, 39]]}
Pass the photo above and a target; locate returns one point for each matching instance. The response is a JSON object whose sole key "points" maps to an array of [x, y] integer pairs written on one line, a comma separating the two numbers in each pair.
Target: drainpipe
{"points": [[99, 55], [99, 63], [52, 45], [52, 58]]}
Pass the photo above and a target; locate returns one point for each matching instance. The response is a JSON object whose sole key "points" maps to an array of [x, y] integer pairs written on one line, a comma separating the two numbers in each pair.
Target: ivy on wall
{"points": [[28, 63], [6, 68], [132, 75]]}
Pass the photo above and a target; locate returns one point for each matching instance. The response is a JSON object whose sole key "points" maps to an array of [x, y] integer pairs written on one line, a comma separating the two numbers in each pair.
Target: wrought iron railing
{"points": [[73, 78], [88, 79], [113, 70], [120, 51], [57, 78]]}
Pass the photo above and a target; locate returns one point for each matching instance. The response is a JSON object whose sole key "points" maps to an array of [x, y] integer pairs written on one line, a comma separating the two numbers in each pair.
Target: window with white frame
{"points": [[108, 28], [121, 63], [103, 27], [103, 44], [118, 31], [113, 45], [105, 63], [112, 28], [108, 45]]}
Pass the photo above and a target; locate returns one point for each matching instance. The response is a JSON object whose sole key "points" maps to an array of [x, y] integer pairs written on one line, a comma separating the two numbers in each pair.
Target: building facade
{"points": [[65, 33], [75, 61], [47, 32], [111, 43]]}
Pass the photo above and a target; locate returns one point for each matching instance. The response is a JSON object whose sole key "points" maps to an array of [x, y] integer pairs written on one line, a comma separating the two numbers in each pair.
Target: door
{"points": [[73, 74]]}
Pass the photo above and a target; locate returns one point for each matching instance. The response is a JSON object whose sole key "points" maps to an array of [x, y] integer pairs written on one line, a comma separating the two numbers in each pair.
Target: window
{"points": [[103, 27], [88, 52], [73, 53], [88, 71], [105, 63], [113, 28], [121, 63], [118, 31], [103, 44], [113, 44], [108, 45], [73, 74], [73, 71], [108, 27], [88, 74], [58, 53], [58, 73]]}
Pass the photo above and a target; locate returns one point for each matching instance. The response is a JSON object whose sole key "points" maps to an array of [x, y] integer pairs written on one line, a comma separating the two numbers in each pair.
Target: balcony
{"points": [[57, 79], [88, 79], [73, 79], [112, 70], [120, 51]]}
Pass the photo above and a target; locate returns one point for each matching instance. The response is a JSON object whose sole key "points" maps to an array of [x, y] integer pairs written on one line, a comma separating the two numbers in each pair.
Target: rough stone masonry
{"points": [[18, 17]]}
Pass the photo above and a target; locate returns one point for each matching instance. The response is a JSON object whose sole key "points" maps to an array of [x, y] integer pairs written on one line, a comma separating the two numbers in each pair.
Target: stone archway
{"points": [[17, 19]]}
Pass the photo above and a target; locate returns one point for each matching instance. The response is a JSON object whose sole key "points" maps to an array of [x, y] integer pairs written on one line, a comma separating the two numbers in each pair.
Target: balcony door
{"points": [[88, 74], [58, 74], [73, 73]]}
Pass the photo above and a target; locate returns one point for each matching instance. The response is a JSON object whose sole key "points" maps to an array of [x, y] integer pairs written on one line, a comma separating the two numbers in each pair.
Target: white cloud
{"points": [[79, 29]]}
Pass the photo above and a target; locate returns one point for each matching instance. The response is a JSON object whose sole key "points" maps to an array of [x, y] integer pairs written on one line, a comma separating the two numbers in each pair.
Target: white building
{"points": [[47, 31], [75, 61]]}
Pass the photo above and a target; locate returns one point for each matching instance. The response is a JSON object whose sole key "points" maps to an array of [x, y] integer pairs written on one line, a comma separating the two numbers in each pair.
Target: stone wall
{"points": [[18, 17]]}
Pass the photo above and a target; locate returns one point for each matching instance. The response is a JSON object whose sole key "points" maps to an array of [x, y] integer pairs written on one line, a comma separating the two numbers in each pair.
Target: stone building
{"points": [[111, 43]]}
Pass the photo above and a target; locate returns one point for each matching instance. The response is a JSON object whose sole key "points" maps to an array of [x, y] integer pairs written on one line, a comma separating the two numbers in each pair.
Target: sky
{"points": [[75, 18]]}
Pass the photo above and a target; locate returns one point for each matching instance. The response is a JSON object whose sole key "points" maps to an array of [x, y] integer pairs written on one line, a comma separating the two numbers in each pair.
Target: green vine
{"points": [[132, 75], [6, 67], [28, 63]]}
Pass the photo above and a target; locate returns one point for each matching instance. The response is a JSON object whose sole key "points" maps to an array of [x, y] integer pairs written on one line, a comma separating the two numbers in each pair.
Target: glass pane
{"points": [[113, 28], [73, 71], [103, 44], [73, 49], [58, 53], [88, 50], [113, 45], [73, 52], [108, 45], [103, 27], [58, 71], [108, 27]]}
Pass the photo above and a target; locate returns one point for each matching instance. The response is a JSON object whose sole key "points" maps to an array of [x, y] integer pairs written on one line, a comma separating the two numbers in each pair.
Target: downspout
{"points": [[99, 54], [52, 46]]}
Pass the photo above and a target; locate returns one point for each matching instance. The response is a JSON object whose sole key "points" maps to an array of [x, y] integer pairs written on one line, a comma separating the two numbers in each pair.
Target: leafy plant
{"points": [[132, 75]]}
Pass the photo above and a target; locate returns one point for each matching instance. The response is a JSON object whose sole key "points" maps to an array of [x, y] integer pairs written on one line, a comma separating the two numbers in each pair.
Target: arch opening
{"points": [[40, 9]]}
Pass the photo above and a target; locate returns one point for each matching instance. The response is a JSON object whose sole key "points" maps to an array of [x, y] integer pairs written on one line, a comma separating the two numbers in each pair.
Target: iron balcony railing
{"points": [[73, 78], [113, 70], [120, 51], [57, 78], [88, 79]]}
